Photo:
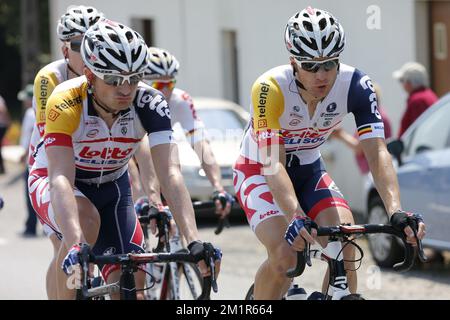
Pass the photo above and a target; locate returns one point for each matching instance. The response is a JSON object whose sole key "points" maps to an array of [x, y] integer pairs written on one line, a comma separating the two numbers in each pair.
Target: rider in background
{"points": [[160, 74]]}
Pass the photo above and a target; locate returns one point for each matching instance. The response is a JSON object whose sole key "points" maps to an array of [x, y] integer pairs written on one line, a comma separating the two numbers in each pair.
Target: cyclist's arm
{"points": [[384, 175], [61, 171], [147, 175], [166, 162], [209, 163]]}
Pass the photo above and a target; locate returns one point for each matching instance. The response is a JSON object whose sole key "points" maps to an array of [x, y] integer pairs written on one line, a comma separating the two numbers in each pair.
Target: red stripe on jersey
{"points": [[58, 139], [97, 169], [123, 140]]}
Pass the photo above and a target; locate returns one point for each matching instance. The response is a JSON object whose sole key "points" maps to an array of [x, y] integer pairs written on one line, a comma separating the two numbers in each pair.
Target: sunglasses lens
{"points": [[310, 66], [160, 85], [75, 45], [113, 80], [329, 65], [135, 79]]}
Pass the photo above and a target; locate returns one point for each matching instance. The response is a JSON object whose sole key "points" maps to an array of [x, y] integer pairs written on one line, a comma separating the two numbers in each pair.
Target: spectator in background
{"points": [[414, 78], [26, 96], [5, 121], [352, 141]]}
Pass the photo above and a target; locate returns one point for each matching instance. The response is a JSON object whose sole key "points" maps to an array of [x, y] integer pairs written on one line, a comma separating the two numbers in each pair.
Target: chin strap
{"points": [[71, 69], [105, 108]]}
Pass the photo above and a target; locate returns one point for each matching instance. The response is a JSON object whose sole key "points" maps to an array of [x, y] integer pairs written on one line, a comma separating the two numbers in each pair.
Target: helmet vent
{"points": [[308, 26], [322, 24]]}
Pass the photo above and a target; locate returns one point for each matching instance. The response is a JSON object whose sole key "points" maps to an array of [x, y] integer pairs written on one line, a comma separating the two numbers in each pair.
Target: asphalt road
{"points": [[23, 262]]}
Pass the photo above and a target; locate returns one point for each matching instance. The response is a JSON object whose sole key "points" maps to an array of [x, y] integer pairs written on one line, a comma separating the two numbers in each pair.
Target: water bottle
{"points": [[296, 293]]}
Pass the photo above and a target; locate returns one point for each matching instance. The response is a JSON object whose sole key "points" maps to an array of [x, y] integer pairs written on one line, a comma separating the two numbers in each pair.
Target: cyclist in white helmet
{"points": [[71, 27], [79, 183], [280, 178], [161, 74]]}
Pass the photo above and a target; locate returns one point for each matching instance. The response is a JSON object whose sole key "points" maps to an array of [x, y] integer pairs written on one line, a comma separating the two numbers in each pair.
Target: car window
{"points": [[221, 123], [432, 134]]}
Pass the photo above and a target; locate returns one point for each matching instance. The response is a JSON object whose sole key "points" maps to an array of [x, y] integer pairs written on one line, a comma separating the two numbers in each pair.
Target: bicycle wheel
{"points": [[249, 295], [190, 281]]}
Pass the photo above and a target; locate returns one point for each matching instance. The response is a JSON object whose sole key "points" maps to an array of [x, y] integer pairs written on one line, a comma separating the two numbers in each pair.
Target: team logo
{"points": [[49, 141], [326, 183], [294, 122], [92, 133], [296, 108], [53, 115], [109, 252], [331, 107], [327, 123], [124, 130], [262, 123]]}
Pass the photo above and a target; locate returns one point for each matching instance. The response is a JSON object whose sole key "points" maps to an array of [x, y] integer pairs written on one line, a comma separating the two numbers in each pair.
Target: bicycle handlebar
{"points": [[134, 259], [344, 230], [223, 222]]}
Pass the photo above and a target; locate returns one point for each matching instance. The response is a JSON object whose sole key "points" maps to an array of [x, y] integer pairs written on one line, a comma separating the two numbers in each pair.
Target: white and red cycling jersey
{"points": [[101, 153], [279, 115], [182, 111]]}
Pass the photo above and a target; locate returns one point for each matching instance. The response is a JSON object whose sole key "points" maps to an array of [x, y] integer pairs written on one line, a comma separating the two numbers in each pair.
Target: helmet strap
{"points": [[101, 105], [70, 68]]}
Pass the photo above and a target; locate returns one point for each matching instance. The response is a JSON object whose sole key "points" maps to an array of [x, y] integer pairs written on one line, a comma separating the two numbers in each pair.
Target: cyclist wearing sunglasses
{"points": [[280, 175], [160, 74], [79, 183], [71, 27]]}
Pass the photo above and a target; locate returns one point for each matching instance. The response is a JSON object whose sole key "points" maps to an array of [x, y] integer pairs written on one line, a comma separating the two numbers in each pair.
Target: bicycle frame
{"points": [[338, 287]]}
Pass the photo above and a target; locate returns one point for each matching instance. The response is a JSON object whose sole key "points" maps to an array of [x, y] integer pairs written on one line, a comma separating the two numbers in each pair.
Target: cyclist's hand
{"points": [[197, 249], [403, 221], [141, 206], [223, 202], [297, 232], [172, 225], [72, 259]]}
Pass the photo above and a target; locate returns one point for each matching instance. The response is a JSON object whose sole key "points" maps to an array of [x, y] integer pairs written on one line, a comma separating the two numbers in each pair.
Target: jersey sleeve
{"points": [[62, 117], [44, 84], [268, 105], [154, 114], [362, 102], [183, 111]]}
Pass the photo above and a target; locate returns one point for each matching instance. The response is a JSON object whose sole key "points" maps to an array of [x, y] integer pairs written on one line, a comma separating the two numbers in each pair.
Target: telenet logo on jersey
{"points": [[53, 115]]}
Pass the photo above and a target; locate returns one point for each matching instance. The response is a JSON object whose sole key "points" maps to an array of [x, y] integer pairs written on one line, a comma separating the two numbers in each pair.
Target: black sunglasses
{"points": [[75, 45]]}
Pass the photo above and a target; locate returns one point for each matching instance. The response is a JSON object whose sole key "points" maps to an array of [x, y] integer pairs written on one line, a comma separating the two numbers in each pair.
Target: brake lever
{"points": [[421, 253]]}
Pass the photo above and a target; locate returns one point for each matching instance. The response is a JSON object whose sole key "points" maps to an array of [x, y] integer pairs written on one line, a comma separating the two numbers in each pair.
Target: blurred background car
{"points": [[422, 157], [225, 122]]}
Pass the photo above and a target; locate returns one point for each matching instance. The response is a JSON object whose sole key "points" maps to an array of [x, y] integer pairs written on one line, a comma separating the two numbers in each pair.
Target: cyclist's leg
{"points": [[90, 223], [269, 223], [321, 199], [50, 279], [120, 230], [335, 216], [271, 281], [40, 199]]}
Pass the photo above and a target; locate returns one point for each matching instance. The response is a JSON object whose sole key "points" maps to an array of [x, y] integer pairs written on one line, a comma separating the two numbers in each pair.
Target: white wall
{"points": [[191, 29]]}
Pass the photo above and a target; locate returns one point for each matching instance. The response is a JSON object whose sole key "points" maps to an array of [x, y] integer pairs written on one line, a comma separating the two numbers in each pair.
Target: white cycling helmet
{"points": [[161, 63], [76, 21], [314, 33], [110, 47]]}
